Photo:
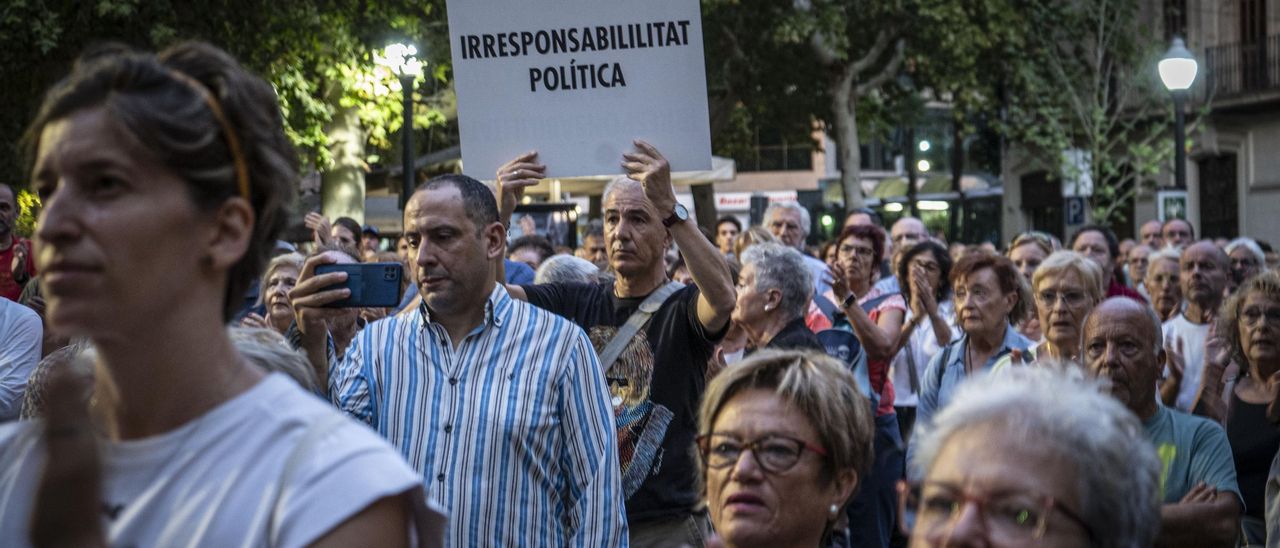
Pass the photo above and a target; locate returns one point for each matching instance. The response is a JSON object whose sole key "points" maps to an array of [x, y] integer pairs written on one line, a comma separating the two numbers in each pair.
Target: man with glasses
{"points": [[1136, 265], [1122, 342], [906, 233], [789, 223]]}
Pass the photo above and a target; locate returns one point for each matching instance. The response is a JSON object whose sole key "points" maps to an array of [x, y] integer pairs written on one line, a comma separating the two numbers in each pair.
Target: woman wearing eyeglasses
{"points": [[930, 324], [785, 440], [1038, 457], [1247, 332], [1065, 287]]}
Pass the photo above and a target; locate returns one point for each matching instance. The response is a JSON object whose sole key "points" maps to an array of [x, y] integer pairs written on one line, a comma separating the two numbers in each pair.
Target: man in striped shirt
{"points": [[500, 405], [657, 382]]}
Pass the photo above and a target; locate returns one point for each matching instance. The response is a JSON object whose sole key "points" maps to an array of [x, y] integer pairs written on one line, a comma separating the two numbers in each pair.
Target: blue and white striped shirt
{"points": [[512, 430]]}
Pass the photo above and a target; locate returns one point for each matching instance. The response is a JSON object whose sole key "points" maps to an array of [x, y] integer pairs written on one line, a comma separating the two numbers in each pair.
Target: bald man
{"points": [[1203, 271], [1202, 503], [905, 234]]}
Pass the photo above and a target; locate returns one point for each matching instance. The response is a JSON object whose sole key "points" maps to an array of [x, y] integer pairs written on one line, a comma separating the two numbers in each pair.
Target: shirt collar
{"points": [[496, 308]]}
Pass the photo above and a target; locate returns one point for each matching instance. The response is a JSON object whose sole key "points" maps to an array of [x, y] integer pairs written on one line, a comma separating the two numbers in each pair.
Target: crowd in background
{"points": [[183, 378]]}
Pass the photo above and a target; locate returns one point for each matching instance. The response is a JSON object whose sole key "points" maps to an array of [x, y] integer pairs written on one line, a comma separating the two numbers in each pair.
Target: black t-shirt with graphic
{"points": [[655, 384]]}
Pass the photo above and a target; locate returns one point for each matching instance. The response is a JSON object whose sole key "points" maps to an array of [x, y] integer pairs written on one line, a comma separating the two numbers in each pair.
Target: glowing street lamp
{"points": [[1178, 72], [403, 60]]}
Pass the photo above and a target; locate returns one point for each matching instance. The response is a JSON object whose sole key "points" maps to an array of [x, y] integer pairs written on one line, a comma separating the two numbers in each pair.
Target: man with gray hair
{"points": [[566, 269], [655, 389], [789, 223], [1122, 343], [1247, 259]]}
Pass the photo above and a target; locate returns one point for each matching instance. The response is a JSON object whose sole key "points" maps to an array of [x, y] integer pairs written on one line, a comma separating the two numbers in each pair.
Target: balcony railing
{"points": [[1238, 69]]}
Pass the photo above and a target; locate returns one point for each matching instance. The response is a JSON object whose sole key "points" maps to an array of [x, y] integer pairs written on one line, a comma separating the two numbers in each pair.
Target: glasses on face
{"points": [[862, 251], [1070, 298], [978, 294], [1009, 518], [773, 453], [1253, 315]]}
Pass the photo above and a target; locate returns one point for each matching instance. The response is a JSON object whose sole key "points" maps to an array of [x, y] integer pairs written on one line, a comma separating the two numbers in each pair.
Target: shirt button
{"points": [[448, 428], [440, 477], [453, 381]]}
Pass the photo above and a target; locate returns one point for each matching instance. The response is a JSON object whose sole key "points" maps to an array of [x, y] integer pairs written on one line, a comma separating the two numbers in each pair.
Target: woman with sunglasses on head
{"points": [[1038, 457], [165, 180], [785, 440]]}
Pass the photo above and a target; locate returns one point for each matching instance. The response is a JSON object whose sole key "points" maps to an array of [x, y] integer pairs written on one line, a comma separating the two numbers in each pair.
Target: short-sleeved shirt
{"points": [[1193, 336], [945, 373], [216, 480], [656, 387], [9, 288], [878, 370], [920, 348], [1191, 449]]}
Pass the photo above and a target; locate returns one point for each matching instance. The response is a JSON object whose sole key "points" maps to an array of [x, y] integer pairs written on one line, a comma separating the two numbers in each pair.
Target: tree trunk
{"points": [[342, 185], [846, 137]]}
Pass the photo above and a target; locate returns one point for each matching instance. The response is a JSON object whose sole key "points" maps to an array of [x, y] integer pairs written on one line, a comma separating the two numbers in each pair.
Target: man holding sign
{"points": [[654, 336]]}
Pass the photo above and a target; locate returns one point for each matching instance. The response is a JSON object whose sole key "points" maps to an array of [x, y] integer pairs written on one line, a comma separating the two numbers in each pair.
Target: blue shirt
{"points": [[518, 273], [939, 381], [513, 429]]}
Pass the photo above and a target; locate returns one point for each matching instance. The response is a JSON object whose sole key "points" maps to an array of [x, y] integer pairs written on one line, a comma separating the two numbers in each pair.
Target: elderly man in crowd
{"points": [[1149, 234], [1201, 499], [1136, 262], [1162, 283], [789, 223], [472, 377], [1203, 271], [906, 232], [1177, 233], [656, 383]]}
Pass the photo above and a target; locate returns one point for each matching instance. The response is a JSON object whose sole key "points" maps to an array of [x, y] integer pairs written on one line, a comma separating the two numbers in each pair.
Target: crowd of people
{"points": [[173, 374]]}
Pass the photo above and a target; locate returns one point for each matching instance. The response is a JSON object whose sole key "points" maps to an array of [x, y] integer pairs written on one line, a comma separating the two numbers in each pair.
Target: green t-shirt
{"points": [[1191, 449]]}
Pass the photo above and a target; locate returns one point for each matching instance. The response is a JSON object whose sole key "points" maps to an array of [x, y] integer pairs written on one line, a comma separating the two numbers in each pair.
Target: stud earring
{"points": [[834, 510]]}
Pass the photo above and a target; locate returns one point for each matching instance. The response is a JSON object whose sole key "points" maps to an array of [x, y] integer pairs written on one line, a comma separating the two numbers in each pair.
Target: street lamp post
{"points": [[1178, 71], [403, 61]]}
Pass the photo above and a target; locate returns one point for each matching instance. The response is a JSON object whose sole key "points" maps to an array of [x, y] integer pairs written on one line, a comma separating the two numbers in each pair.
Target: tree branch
{"points": [[883, 39], [889, 71]]}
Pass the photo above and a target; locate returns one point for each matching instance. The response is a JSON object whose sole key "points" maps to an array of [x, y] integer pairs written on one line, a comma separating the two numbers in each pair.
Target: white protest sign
{"points": [[578, 81]]}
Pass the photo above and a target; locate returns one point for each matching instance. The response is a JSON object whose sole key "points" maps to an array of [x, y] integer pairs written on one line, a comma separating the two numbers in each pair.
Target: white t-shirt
{"points": [[215, 481], [1193, 337], [21, 335], [922, 345]]}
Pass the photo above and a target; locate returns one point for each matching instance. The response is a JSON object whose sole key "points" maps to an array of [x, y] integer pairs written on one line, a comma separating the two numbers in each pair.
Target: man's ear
{"points": [[495, 240], [230, 233]]}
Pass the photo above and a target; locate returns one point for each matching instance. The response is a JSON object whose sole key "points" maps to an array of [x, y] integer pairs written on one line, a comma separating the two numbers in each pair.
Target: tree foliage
{"points": [[318, 55]]}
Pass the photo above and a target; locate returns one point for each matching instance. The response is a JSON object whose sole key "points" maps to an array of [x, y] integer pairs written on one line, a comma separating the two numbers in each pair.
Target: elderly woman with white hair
{"points": [[774, 290], [1247, 260], [1040, 456], [273, 293]]}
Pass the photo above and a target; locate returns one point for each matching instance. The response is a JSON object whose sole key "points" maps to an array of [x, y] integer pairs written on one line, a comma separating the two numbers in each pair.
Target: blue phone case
{"points": [[372, 285]]}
